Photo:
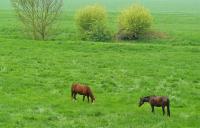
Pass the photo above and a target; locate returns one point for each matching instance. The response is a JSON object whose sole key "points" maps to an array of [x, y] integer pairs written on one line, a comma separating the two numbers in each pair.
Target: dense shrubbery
{"points": [[133, 22], [91, 23], [39, 16]]}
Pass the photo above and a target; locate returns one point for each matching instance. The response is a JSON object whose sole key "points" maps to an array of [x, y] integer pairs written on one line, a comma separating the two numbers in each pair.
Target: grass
{"points": [[36, 79], [35, 76]]}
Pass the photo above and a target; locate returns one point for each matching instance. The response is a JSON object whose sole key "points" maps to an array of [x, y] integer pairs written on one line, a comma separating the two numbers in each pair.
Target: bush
{"points": [[91, 23], [133, 22]]}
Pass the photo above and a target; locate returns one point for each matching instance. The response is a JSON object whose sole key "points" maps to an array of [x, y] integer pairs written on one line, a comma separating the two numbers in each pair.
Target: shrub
{"points": [[91, 23], [132, 22]]}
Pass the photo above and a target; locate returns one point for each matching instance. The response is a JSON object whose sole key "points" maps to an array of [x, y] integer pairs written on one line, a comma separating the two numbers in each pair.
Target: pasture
{"points": [[36, 76]]}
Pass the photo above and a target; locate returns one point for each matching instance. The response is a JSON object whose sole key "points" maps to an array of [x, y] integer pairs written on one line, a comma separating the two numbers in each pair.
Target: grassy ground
{"points": [[35, 76]]}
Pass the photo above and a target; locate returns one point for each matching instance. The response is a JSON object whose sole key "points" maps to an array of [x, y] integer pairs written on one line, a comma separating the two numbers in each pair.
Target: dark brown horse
{"points": [[157, 101], [82, 90]]}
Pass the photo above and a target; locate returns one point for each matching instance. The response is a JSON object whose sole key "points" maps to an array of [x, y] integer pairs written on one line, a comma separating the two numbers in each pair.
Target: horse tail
{"points": [[72, 90], [168, 107], [72, 93]]}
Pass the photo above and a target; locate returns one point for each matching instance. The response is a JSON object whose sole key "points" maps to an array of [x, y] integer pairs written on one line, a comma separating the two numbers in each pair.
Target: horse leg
{"points": [[83, 98], [72, 93], [168, 110], [163, 109], [152, 107], [88, 98], [75, 96]]}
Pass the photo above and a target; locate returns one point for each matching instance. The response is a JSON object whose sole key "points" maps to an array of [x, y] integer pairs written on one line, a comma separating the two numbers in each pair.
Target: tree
{"points": [[38, 16]]}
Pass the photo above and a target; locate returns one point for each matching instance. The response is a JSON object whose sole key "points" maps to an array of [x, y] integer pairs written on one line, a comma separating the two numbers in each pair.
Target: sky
{"points": [[116, 5]]}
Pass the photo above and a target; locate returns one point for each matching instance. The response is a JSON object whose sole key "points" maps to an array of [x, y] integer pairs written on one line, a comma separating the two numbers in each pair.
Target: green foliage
{"points": [[133, 21], [91, 23]]}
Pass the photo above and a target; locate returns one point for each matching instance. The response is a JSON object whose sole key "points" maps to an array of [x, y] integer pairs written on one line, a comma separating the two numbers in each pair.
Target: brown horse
{"points": [[82, 90], [157, 101]]}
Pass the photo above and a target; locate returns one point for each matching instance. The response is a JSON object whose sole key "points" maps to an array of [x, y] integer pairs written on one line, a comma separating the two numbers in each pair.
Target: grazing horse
{"points": [[157, 101], [82, 90]]}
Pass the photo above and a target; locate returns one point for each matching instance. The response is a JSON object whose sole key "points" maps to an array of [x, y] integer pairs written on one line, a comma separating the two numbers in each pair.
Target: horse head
{"points": [[141, 102], [93, 98]]}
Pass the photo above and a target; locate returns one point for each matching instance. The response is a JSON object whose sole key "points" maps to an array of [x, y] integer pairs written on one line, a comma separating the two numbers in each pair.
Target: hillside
{"points": [[36, 76]]}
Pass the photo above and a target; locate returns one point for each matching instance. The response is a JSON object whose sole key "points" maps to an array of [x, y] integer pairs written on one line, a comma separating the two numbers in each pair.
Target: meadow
{"points": [[36, 76]]}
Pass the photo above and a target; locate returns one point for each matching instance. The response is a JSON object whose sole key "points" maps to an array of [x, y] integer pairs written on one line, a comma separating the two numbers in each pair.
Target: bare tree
{"points": [[38, 16]]}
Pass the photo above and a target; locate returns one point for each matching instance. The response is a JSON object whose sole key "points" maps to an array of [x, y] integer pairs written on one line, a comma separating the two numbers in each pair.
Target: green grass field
{"points": [[36, 76]]}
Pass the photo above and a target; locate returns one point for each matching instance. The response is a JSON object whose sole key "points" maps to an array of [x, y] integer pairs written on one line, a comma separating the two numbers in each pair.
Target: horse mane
{"points": [[149, 96]]}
